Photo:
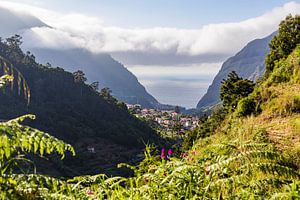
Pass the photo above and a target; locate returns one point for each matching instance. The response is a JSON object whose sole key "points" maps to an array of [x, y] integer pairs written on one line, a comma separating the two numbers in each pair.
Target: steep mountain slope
{"points": [[74, 112], [248, 63], [98, 67], [102, 68], [13, 23]]}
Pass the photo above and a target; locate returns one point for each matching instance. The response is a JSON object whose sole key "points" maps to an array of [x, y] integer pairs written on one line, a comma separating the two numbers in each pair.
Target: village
{"points": [[166, 120]]}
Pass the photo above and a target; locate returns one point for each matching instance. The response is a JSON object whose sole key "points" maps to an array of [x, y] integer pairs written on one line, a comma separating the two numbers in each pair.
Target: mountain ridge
{"points": [[248, 63], [98, 67]]}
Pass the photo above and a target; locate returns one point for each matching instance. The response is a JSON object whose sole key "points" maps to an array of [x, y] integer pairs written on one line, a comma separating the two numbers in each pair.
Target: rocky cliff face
{"points": [[248, 63]]}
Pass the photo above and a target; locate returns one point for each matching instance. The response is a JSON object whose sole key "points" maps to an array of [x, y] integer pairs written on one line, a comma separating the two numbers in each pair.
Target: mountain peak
{"points": [[15, 22], [248, 63]]}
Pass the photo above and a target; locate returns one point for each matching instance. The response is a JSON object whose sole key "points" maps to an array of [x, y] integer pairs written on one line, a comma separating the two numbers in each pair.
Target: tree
{"points": [[14, 41], [233, 89], [95, 86], [284, 42], [105, 93], [48, 65], [79, 76], [13, 50], [177, 109]]}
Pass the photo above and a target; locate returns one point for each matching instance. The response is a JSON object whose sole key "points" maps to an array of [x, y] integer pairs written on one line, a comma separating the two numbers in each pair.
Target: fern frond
{"points": [[233, 180], [253, 145], [262, 184], [223, 163], [87, 180], [263, 155], [244, 157], [16, 137], [40, 186], [282, 196], [276, 169], [225, 146]]}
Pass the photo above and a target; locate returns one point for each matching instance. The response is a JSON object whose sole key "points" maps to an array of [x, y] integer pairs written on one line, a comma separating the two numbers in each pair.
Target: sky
{"points": [[165, 13], [174, 47]]}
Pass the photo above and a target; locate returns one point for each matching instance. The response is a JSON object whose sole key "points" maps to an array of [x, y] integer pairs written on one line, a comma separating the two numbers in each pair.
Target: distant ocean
{"points": [[183, 86], [177, 93]]}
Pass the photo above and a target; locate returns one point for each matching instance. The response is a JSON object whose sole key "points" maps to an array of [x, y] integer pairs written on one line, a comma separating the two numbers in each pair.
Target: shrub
{"points": [[296, 104], [207, 126], [246, 106], [282, 73], [261, 135]]}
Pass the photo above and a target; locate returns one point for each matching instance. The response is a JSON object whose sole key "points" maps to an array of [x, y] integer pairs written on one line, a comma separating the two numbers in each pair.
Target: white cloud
{"points": [[51, 38], [74, 30]]}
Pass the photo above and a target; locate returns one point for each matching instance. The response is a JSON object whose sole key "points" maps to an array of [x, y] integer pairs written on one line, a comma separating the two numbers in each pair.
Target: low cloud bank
{"points": [[80, 31]]}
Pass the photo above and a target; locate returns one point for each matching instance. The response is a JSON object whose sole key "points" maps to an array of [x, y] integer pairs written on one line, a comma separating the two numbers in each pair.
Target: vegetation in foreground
{"points": [[251, 153]]}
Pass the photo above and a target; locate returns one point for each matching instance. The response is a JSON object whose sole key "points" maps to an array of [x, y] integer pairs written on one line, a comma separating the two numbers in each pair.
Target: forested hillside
{"points": [[74, 112], [102, 68]]}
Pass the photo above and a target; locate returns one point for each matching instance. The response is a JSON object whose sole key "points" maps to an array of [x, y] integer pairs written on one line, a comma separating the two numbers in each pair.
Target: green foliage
{"points": [[79, 76], [296, 104], [4, 80], [233, 89], [285, 70], [284, 42], [207, 126], [105, 93], [17, 138], [245, 107], [244, 171], [278, 94]]}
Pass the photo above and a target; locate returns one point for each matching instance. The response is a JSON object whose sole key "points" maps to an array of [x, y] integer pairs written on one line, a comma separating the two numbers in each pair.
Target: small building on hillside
{"points": [[91, 149]]}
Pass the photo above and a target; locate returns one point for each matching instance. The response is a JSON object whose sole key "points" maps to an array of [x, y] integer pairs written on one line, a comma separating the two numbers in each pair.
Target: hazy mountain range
{"points": [[97, 67]]}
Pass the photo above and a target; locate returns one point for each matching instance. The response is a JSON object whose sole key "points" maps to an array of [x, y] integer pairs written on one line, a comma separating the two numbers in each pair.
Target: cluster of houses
{"points": [[167, 119]]}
